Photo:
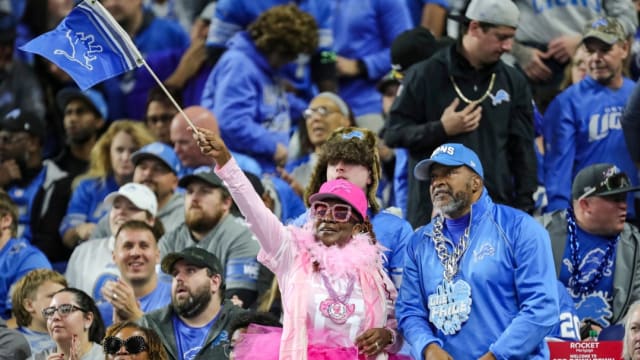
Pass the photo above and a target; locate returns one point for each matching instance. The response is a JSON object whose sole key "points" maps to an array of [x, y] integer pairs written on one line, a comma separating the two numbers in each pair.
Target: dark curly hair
{"points": [[155, 348], [285, 29], [351, 149]]}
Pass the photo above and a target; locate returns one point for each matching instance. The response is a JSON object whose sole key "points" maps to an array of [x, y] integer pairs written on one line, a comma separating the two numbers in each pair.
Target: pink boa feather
{"points": [[359, 252]]}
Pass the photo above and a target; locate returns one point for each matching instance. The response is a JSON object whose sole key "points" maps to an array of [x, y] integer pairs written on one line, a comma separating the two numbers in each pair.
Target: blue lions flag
{"points": [[89, 45]]}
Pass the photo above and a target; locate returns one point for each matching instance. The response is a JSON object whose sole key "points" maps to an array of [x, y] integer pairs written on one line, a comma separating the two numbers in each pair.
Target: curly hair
{"points": [[155, 349], [27, 287], [354, 146], [285, 29], [100, 163]]}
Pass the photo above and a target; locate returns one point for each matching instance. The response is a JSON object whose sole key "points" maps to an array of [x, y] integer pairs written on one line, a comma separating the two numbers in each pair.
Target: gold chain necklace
{"points": [[481, 99]]}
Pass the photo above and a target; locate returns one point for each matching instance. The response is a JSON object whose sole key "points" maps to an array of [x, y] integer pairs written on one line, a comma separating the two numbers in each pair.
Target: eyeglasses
{"points": [[340, 212], [133, 345], [159, 118], [611, 182], [63, 310], [320, 110]]}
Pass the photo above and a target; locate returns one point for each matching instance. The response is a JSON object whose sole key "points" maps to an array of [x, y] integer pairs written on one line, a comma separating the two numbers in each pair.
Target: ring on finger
{"points": [[114, 296], [377, 346]]}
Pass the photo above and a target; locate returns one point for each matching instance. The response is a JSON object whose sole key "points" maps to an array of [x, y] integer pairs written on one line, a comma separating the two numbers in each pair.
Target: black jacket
{"points": [[161, 321], [504, 141]]}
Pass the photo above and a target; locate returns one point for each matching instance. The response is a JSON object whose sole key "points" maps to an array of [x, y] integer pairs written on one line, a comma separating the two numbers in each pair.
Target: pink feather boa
{"points": [[359, 252]]}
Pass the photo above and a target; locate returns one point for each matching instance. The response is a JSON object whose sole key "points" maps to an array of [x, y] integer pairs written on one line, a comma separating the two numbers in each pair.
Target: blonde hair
{"points": [[100, 164], [26, 288]]}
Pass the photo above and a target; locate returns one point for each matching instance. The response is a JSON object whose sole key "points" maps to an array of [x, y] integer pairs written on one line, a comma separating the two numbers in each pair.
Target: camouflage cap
{"points": [[606, 29]]}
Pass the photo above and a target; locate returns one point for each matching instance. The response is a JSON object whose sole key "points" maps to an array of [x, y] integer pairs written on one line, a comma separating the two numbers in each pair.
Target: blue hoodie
{"points": [[251, 106], [364, 30]]}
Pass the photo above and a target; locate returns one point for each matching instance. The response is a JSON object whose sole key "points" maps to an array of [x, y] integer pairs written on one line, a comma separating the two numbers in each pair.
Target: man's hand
{"points": [[465, 120], [534, 66], [563, 47], [347, 67], [190, 63], [433, 351], [125, 304]]}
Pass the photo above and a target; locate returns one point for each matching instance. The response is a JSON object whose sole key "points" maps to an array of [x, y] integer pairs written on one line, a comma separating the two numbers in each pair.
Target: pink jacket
{"points": [[286, 251]]}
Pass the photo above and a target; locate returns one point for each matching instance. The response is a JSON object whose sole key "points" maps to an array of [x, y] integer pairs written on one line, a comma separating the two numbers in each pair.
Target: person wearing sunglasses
{"points": [[338, 301], [128, 340], [595, 249], [75, 325]]}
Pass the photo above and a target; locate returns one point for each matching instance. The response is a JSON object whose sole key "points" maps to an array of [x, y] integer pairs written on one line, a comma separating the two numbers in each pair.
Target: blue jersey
{"points": [[17, 258], [87, 202], [595, 305], [158, 298], [568, 327], [23, 197], [581, 127], [508, 265]]}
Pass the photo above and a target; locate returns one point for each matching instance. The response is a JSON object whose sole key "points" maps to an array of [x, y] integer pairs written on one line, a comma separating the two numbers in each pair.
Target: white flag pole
{"points": [[139, 58]]}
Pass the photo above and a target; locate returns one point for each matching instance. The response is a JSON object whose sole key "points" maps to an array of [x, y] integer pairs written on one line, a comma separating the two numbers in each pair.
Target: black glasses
{"points": [[320, 111], [341, 212], [133, 345], [159, 118], [614, 181], [63, 310]]}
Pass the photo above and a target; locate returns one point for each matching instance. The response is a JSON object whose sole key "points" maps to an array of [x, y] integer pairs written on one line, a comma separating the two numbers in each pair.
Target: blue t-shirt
{"points": [[190, 340], [38, 341], [158, 298], [597, 304], [17, 258], [23, 197]]}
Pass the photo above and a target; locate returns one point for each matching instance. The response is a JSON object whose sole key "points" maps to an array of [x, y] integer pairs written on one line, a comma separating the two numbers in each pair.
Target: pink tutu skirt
{"points": [[263, 342]]}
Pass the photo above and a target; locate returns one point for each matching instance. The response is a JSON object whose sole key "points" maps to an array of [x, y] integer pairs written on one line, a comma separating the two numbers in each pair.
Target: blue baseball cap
{"points": [[91, 97], [451, 154], [160, 151]]}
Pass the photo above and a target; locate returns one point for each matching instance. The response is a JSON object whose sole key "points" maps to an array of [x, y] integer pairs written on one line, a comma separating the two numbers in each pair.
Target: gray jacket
{"points": [[213, 347], [626, 277]]}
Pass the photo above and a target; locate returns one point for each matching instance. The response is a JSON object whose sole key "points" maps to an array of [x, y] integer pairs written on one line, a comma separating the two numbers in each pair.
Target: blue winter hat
{"points": [[160, 151], [451, 154]]}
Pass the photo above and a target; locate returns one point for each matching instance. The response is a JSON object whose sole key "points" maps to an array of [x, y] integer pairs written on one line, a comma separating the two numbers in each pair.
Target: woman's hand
{"points": [[212, 145], [373, 341]]}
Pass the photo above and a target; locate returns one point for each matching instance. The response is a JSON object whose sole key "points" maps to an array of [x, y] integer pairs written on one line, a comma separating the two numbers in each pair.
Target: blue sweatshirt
{"points": [[582, 127], [514, 298], [251, 106], [364, 30]]}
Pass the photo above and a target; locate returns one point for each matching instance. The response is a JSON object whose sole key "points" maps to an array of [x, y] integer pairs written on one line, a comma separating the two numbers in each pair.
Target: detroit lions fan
{"points": [[594, 249]]}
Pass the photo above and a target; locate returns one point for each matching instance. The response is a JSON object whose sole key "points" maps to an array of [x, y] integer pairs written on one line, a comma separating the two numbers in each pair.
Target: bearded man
{"points": [[195, 324], [209, 224], [477, 268]]}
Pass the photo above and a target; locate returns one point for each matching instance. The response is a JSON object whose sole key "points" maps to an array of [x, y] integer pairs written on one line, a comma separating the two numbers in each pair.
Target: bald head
{"points": [[183, 143]]}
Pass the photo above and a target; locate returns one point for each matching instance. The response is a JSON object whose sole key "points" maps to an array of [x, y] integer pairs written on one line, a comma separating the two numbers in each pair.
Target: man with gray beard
{"points": [[195, 324], [209, 224], [476, 268]]}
